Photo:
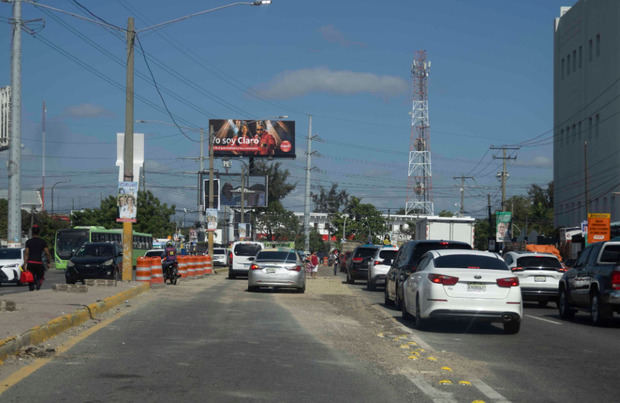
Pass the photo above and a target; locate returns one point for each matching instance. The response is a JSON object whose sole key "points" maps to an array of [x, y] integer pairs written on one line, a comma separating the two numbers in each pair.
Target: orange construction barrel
{"points": [[143, 270], [182, 262], [157, 275], [208, 265]]}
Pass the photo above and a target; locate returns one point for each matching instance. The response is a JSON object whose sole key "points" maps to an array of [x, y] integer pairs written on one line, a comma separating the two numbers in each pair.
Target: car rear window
{"points": [[365, 252], [388, 254], [424, 247], [10, 254], [155, 253], [276, 256], [611, 254], [539, 261], [470, 262], [247, 249], [219, 251]]}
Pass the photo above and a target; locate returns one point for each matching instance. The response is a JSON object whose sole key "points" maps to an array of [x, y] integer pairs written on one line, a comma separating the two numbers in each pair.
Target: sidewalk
{"points": [[32, 317]]}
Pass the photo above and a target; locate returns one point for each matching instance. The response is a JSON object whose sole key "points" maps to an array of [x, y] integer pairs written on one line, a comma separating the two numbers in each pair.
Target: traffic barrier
{"points": [[200, 266], [191, 267], [182, 262], [143, 270], [157, 275], [325, 261], [208, 265]]}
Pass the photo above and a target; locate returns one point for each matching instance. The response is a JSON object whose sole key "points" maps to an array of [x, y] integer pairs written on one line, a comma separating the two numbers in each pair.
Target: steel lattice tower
{"points": [[419, 199]]}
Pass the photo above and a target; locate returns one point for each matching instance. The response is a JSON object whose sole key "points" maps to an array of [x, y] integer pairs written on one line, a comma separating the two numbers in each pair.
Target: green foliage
{"points": [[363, 220], [317, 244], [446, 213], [482, 234], [277, 177], [330, 201], [153, 217], [279, 224]]}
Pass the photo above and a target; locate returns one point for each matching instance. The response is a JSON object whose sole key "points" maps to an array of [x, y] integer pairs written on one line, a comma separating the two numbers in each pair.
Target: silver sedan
{"points": [[277, 268]]}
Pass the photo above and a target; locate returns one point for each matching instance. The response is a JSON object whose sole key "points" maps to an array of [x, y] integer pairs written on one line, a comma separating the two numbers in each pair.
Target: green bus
{"points": [[69, 240]]}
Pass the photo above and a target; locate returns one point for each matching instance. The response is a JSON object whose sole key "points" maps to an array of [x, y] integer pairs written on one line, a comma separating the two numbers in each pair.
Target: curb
{"points": [[54, 327]]}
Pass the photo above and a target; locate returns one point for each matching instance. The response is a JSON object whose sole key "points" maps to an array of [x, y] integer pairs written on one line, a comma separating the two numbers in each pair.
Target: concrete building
{"points": [[586, 99]]}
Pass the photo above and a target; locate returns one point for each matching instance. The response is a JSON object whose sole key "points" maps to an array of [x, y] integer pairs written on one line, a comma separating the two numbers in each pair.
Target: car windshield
{"points": [[539, 261], [10, 253], [388, 254], [95, 250], [69, 240], [219, 251], [365, 252], [159, 253], [469, 262], [279, 256], [247, 249]]}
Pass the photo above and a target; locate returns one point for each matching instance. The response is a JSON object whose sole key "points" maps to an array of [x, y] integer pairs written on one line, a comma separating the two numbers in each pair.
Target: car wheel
{"points": [[599, 312], [406, 314], [512, 327], [420, 323], [252, 288], [397, 301], [370, 285], [387, 301], [231, 275], [302, 289], [566, 312], [350, 279]]}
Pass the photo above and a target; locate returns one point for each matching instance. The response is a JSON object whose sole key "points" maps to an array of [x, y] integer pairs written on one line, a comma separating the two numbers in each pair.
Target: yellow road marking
{"points": [[431, 358], [478, 401], [404, 346], [28, 370], [445, 382], [446, 369], [465, 383], [413, 357], [380, 335], [412, 343]]}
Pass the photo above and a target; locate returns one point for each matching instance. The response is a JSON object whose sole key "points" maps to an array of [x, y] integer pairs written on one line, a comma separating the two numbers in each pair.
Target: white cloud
{"points": [[539, 161], [301, 82], [331, 34], [86, 111]]}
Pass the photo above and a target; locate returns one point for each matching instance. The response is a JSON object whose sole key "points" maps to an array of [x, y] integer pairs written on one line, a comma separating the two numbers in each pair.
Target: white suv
{"points": [[539, 275], [242, 254], [379, 265]]}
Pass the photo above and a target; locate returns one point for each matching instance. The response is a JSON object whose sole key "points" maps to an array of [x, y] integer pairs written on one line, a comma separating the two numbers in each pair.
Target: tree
{"points": [[541, 209], [278, 187], [152, 217], [363, 220], [329, 201]]}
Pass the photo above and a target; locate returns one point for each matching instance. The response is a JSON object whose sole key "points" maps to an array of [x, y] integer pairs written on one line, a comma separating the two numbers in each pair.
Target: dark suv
{"points": [[405, 263], [593, 284], [95, 260], [357, 268]]}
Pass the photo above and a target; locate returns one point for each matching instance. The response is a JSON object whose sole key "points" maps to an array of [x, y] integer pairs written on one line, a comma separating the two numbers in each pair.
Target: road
{"points": [[211, 340], [52, 277]]}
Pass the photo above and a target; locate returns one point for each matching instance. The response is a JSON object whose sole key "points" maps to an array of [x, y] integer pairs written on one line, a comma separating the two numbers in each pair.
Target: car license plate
{"points": [[476, 287], [270, 270], [540, 279]]}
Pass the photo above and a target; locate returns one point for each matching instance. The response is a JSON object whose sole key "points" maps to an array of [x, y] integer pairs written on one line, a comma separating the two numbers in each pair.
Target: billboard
{"points": [[127, 201], [216, 193], [254, 191], [253, 138], [502, 221]]}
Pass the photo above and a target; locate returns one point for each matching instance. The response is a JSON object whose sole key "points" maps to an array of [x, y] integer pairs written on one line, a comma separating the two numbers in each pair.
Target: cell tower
{"points": [[419, 200]]}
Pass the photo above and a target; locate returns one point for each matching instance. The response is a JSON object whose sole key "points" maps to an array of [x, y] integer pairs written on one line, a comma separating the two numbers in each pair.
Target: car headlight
{"points": [[12, 266], [70, 264], [108, 262]]}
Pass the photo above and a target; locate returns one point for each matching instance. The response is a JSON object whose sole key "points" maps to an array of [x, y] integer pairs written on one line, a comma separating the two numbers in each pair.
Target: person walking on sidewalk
{"points": [[314, 260], [33, 257]]}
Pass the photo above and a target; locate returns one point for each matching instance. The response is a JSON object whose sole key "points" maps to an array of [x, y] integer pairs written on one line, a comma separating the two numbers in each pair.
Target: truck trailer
{"points": [[446, 228]]}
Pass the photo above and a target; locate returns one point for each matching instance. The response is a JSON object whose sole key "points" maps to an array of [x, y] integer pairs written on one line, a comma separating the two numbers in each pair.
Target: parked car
{"points": [[379, 266], [357, 268], [242, 255], [95, 260], [220, 257], [463, 284], [11, 260], [405, 263], [593, 284], [160, 253], [277, 268], [539, 274]]}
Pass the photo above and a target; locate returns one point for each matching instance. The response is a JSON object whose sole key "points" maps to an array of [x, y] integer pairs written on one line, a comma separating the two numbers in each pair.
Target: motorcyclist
{"points": [[169, 262]]}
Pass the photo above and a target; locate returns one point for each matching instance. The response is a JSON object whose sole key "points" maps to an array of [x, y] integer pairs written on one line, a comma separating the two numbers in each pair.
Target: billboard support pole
{"points": [[128, 148], [307, 195], [210, 185], [242, 195], [14, 227]]}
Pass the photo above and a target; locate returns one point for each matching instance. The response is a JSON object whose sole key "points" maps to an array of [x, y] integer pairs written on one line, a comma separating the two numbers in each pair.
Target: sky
{"points": [[345, 63]]}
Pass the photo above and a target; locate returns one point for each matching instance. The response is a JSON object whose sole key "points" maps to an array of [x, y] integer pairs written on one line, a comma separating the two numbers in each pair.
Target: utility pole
{"points": [[491, 234], [210, 234], [462, 178], [585, 161], [201, 205], [307, 195], [14, 228], [128, 148], [43, 158], [242, 212], [503, 176]]}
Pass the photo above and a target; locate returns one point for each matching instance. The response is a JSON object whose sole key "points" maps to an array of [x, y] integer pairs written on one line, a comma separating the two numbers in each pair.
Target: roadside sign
{"points": [[598, 227], [211, 219]]}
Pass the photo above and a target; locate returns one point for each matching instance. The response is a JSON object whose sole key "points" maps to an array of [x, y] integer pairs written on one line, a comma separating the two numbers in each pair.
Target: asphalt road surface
{"points": [[52, 277], [211, 340]]}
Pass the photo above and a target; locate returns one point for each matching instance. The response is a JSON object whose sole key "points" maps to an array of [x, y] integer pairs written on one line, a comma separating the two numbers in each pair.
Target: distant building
{"points": [[586, 100], [31, 199]]}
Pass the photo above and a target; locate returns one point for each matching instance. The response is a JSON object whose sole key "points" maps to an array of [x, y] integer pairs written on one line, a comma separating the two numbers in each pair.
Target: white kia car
{"points": [[453, 284], [379, 265]]}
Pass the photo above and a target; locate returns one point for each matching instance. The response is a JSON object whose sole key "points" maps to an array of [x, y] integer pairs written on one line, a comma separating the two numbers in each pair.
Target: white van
{"points": [[242, 254]]}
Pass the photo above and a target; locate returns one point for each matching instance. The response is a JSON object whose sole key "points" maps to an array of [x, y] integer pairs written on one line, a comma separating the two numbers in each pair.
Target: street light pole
{"points": [[14, 229], [53, 186]]}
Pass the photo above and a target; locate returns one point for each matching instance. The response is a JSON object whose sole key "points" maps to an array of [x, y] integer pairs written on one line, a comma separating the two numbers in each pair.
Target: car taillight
{"points": [[443, 279], [615, 280], [255, 267], [377, 262], [230, 257], [562, 269], [517, 269], [296, 268], [508, 282], [357, 259], [443, 243]]}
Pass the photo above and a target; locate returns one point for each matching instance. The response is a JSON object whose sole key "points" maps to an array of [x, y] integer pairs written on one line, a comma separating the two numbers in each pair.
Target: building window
{"points": [[574, 61], [568, 65], [598, 45], [590, 50], [596, 127], [580, 55]]}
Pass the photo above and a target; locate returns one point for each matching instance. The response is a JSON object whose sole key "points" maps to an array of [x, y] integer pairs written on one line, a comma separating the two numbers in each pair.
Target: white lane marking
{"points": [[438, 396], [489, 391], [543, 319]]}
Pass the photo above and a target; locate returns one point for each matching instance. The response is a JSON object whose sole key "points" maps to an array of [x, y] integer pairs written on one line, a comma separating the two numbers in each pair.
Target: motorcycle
{"points": [[171, 272]]}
